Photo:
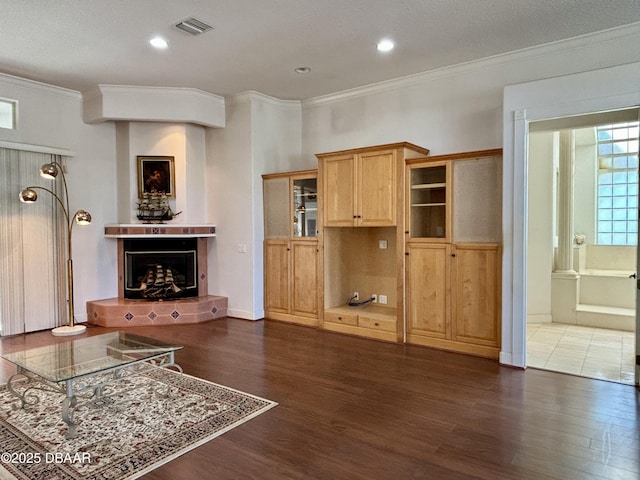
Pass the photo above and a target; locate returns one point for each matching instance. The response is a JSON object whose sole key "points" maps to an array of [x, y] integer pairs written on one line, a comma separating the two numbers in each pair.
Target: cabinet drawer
{"points": [[341, 318], [387, 325]]}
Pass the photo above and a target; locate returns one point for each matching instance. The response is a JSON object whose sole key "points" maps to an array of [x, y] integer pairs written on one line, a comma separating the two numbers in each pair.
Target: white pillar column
{"points": [[564, 259]]}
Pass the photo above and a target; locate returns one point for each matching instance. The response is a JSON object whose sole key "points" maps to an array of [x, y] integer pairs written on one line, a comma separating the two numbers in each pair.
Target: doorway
{"points": [[582, 246]]}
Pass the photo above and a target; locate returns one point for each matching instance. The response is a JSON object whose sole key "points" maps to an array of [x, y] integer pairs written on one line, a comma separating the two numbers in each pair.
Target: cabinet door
{"points": [[476, 293], [304, 278], [304, 206], [428, 290], [376, 189], [276, 275], [338, 190], [277, 213]]}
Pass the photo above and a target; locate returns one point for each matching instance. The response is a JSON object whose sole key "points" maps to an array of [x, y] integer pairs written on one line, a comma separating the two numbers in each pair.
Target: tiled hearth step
{"points": [[120, 312]]}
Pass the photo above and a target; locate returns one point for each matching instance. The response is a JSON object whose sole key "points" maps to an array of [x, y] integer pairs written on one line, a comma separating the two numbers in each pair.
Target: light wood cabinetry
{"points": [[364, 188], [475, 279], [453, 274], [429, 201], [453, 297], [361, 187], [428, 290], [291, 247], [422, 233]]}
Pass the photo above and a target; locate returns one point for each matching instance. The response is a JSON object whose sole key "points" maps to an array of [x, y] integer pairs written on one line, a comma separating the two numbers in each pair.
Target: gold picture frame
{"points": [[156, 174]]}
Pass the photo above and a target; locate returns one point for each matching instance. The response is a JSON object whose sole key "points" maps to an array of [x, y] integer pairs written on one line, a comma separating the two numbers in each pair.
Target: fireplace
{"points": [[146, 253], [159, 269]]}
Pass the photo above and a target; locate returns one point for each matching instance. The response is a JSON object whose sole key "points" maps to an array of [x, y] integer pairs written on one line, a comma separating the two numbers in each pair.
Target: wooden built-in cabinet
{"points": [[453, 297], [291, 247], [453, 252], [422, 232], [364, 188], [361, 187]]}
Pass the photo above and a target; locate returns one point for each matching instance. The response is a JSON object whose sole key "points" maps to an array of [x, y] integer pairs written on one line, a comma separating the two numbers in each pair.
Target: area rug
{"points": [[139, 428]]}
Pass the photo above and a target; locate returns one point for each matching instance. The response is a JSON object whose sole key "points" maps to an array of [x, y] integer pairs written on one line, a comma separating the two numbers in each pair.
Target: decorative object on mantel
{"points": [[155, 208], [81, 217], [156, 175]]}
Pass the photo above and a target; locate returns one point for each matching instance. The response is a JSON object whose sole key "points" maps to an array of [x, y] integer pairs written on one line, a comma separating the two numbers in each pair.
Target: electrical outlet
{"points": [[356, 296], [375, 297], [382, 299], [382, 244]]}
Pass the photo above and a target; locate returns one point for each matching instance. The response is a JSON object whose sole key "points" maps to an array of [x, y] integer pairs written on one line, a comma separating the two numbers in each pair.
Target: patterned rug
{"points": [[138, 431]]}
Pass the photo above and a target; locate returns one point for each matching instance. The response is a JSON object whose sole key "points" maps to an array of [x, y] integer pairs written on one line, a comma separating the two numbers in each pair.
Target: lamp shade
{"points": [[49, 170], [28, 195], [83, 217]]}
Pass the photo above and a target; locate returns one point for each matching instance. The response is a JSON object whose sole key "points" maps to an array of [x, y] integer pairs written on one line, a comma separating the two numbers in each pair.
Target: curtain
{"points": [[32, 246]]}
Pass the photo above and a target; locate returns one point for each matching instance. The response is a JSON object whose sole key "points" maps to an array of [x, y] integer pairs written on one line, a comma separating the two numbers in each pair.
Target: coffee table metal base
{"points": [[90, 386]]}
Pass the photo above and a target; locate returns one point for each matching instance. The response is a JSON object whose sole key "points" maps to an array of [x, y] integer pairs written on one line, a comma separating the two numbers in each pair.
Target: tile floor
{"points": [[585, 351]]}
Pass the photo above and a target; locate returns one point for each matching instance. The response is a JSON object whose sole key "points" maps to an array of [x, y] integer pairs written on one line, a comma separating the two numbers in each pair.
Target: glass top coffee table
{"points": [[84, 367]]}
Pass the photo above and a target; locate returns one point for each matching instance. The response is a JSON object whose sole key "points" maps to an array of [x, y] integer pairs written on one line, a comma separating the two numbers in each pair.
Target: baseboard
{"points": [[244, 314]]}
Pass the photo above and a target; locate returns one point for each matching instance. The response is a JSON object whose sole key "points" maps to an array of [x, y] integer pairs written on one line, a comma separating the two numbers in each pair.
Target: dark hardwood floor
{"points": [[351, 408]]}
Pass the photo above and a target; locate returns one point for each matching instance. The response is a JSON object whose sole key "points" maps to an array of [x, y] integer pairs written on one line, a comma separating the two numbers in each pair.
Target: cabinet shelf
{"points": [[422, 186], [428, 204]]}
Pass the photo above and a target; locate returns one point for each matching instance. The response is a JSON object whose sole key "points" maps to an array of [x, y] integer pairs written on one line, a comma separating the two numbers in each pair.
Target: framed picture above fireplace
{"points": [[156, 174]]}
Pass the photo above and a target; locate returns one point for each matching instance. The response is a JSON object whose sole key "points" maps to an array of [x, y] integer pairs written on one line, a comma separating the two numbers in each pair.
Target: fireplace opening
{"points": [[158, 269]]}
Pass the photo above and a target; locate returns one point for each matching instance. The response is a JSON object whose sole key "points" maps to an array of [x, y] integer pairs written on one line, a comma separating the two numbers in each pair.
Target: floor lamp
{"points": [[81, 217]]}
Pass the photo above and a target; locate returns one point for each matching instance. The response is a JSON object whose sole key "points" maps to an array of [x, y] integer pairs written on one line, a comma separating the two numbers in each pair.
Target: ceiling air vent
{"points": [[193, 26]]}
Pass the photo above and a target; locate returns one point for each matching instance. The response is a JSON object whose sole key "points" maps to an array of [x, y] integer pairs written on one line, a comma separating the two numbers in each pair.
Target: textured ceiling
{"points": [[256, 44]]}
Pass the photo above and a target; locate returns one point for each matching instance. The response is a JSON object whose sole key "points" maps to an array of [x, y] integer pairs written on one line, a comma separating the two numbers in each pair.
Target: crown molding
{"points": [[251, 95], [20, 82]]}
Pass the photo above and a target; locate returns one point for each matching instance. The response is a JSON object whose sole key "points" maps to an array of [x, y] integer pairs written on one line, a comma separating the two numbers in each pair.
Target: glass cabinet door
{"points": [[428, 201], [305, 207], [276, 208]]}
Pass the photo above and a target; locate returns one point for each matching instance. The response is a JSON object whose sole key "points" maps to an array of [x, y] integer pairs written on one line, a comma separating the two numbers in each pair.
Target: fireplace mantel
{"points": [[155, 230]]}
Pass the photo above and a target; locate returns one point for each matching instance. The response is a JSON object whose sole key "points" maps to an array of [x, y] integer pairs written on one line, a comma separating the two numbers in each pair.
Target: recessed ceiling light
{"points": [[159, 42], [302, 70], [385, 45]]}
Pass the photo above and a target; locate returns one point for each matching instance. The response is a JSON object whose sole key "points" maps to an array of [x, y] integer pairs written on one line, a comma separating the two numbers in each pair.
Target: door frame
{"points": [[611, 88]]}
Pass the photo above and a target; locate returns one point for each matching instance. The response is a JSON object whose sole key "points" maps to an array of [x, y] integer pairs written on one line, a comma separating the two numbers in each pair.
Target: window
{"points": [[617, 214], [8, 113]]}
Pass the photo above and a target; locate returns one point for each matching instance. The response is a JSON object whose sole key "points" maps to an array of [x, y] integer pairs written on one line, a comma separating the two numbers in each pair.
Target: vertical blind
{"points": [[32, 271]]}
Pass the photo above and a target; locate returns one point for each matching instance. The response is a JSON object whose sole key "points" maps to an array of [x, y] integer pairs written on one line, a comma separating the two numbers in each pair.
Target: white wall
{"points": [[262, 135], [230, 208], [184, 142], [585, 190], [540, 226], [51, 116], [452, 109]]}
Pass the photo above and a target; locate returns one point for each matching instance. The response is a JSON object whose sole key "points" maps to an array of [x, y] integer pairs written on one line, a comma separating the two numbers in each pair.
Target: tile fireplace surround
{"points": [[122, 312]]}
